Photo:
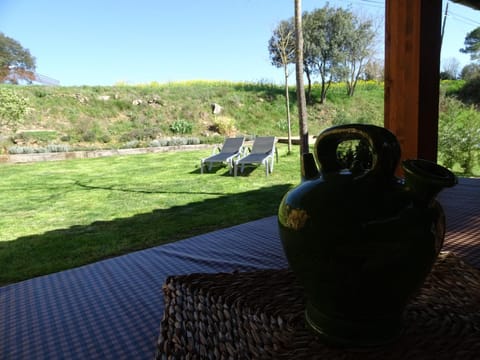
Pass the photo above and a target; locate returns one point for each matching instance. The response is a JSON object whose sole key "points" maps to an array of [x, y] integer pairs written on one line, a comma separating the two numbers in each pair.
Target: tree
{"points": [[450, 69], [374, 70], [301, 100], [472, 44], [282, 53], [470, 71], [327, 31], [16, 62], [309, 58], [358, 51]]}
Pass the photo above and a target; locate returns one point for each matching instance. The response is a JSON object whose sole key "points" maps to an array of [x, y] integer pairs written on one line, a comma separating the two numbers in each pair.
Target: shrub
{"points": [[131, 144], [87, 129], [470, 71], [20, 150], [216, 139], [177, 141], [89, 135], [40, 92], [224, 125], [193, 141], [181, 127], [158, 143], [13, 108], [58, 148], [342, 117], [470, 92], [459, 135], [14, 150]]}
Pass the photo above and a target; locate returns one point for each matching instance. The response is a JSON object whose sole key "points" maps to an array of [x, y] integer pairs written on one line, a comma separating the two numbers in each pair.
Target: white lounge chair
{"points": [[232, 148], [263, 151]]}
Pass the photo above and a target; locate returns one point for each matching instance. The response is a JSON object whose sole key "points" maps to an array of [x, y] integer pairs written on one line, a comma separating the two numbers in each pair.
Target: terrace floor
{"points": [[112, 309]]}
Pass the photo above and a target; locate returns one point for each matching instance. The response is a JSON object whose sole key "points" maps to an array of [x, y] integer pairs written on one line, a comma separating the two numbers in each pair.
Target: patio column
{"points": [[412, 74]]}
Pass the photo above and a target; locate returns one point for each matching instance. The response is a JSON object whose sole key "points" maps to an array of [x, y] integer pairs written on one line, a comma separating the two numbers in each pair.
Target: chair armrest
{"points": [[217, 148], [244, 150]]}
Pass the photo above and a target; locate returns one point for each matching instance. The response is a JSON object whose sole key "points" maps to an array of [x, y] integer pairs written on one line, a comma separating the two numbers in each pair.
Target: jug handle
{"points": [[384, 145]]}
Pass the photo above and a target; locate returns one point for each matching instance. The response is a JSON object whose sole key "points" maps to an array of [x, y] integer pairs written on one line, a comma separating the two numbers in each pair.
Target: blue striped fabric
{"points": [[112, 309]]}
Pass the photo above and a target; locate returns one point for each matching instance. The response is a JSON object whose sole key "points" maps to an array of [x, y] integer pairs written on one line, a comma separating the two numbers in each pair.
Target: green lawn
{"points": [[59, 215]]}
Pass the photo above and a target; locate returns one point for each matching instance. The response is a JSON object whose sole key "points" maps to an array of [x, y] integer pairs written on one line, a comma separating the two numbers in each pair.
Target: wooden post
{"points": [[412, 74], [301, 100]]}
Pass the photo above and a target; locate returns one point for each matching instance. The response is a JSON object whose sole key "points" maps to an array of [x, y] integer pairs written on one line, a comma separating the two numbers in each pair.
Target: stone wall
{"points": [[28, 158]]}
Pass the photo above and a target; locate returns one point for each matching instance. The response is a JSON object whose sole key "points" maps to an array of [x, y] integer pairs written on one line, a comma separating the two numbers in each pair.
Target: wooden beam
{"points": [[412, 74]]}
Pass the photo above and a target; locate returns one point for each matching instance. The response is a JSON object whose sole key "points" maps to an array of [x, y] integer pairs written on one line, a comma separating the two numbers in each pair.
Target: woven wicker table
{"points": [[259, 315]]}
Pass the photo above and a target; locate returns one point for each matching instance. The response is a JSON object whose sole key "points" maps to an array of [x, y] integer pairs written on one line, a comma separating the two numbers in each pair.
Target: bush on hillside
{"points": [[181, 126], [470, 91], [459, 135], [224, 125], [13, 108]]}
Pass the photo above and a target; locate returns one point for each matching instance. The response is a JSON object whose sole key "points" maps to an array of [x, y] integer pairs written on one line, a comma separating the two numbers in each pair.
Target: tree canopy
{"points": [[16, 62], [338, 46], [470, 71], [472, 44], [281, 45]]}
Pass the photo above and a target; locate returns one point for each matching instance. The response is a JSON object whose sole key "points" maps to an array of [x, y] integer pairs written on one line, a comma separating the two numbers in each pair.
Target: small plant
{"points": [[131, 144], [282, 125], [158, 143], [177, 141], [181, 127], [193, 141]]}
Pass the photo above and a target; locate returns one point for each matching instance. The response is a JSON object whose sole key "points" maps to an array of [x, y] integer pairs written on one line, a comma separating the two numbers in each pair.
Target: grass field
{"points": [[59, 215]]}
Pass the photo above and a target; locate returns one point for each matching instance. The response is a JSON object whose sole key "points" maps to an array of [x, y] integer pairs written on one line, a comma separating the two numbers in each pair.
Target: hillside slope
{"points": [[150, 115]]}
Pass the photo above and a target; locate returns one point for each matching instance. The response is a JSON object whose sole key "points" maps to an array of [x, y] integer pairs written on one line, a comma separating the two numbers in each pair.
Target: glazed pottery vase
{"points": [[360, 240]]}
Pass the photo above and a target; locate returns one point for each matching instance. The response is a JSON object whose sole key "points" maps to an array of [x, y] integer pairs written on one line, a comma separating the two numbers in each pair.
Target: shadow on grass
{"points": [[220, 169], [223, 171], [61, 249], [115, 188]]}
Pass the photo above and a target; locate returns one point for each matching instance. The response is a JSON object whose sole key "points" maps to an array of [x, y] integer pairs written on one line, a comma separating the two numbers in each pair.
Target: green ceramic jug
{"points": [[359, 239]]}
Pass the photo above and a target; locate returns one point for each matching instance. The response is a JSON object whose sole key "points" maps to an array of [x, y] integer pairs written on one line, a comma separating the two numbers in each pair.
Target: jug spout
{"points": [[309, 168], [425, 179]]}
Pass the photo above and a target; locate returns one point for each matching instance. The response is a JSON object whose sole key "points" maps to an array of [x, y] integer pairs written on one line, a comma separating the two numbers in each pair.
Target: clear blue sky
{"points": [[102, 42]]}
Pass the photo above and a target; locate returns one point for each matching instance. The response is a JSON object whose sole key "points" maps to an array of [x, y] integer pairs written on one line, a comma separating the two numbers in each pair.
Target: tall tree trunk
{"points": [[287, 103], [309, 87], [302, 103]]}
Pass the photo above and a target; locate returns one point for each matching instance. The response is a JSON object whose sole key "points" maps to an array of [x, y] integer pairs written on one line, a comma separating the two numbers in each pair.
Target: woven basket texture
{"points": [[259, 315]]}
